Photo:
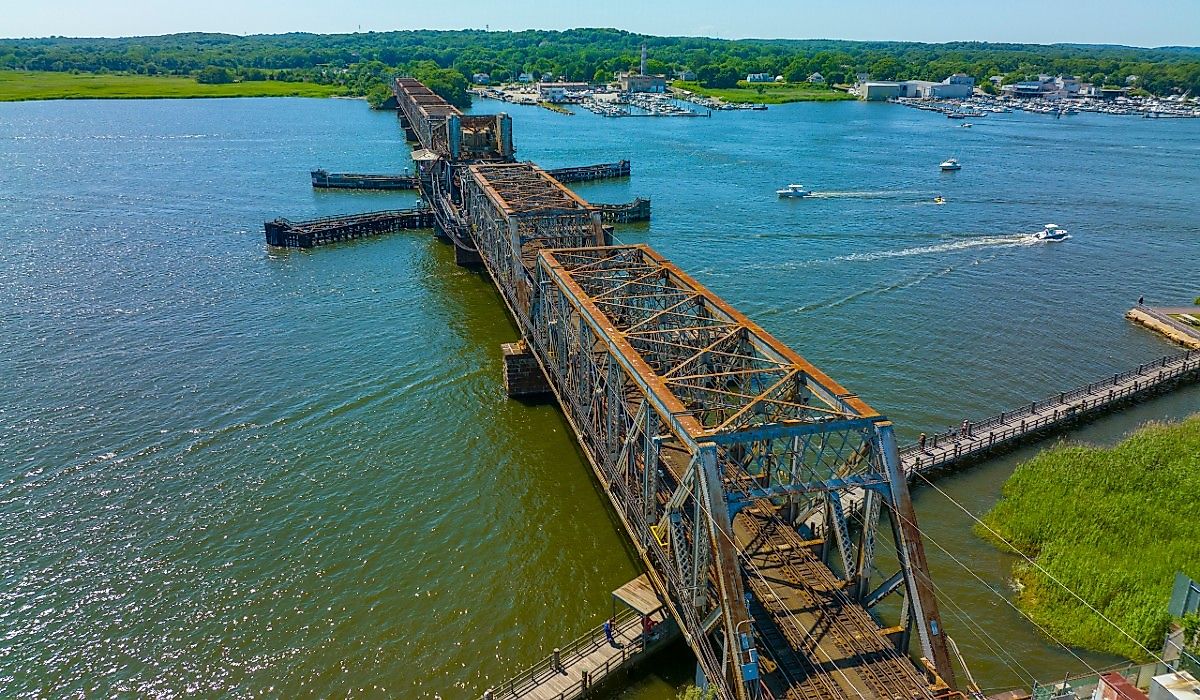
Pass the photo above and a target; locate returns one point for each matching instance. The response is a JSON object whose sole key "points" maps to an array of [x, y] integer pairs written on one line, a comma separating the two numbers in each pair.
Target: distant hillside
{"points": [[356, 61]]}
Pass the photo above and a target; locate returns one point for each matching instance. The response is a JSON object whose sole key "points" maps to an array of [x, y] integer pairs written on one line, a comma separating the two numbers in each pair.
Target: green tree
{"points": [[214, 75]]}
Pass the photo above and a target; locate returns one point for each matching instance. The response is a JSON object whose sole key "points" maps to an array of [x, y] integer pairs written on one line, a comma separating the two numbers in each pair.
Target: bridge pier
{"points": [[523, 377], [466, 258]]}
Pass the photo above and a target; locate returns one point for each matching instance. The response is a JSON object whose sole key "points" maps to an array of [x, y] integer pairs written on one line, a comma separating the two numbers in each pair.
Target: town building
{"points": [[559, 91], [525, 78], [685, 75], [816, 79], [481, 78], [760, 78], [872, 91], [632, 82]]}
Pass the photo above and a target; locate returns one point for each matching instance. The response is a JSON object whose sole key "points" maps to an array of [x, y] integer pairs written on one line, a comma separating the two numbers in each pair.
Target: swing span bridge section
{"points": [[729, 459]]}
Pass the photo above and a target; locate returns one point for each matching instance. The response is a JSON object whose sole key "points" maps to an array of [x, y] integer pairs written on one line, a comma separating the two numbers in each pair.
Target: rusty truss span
{"points": [[729, 459]]}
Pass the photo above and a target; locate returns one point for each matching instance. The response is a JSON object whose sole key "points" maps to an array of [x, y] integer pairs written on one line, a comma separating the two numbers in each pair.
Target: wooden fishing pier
{"points": [[337, 229], [972, 440]]}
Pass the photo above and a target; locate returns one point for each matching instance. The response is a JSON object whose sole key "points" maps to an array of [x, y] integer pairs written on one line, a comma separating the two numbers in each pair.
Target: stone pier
{"points": [[523, 376]]}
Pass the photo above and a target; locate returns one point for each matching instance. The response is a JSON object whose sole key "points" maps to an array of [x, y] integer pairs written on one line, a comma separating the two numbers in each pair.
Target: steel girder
{"points": [[742, 419]]}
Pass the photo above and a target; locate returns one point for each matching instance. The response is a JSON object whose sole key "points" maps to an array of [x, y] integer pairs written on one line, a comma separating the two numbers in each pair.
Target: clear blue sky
{"points": [[1133, 22]]}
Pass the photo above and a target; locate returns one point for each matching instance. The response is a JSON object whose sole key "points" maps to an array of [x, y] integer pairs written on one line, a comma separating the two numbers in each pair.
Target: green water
{"points": [[229, 472]]}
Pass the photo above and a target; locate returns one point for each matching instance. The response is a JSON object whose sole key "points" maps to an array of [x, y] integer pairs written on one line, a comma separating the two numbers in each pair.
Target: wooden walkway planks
{"points": [[590, 653], [946, 449]]}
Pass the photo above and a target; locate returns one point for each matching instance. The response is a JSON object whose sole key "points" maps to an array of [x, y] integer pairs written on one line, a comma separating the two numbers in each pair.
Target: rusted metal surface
{"points": [[690, 415]]}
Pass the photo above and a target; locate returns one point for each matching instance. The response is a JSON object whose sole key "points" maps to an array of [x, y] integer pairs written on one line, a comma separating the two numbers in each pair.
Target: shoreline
{"points": [[30, 86]]}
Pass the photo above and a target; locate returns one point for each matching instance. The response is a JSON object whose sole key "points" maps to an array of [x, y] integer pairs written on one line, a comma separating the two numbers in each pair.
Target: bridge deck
{"points": [[947, 449]]}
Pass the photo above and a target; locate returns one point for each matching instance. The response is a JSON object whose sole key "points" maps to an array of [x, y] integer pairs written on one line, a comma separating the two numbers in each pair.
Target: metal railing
{"points": [[575, 650], [950, 445]]}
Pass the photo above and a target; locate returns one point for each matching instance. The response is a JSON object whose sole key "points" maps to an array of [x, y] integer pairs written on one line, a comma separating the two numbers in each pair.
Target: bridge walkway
{"points": [[590, 655], [973, 439]]}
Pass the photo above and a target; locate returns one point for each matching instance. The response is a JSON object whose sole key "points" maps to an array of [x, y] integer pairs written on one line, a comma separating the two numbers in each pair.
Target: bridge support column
{"points": [[523, 376], [467, 258]]}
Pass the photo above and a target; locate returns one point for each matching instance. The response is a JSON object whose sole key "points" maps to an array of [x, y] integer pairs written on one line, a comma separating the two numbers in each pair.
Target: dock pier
{"points": [[972, 440], [285, 233]]}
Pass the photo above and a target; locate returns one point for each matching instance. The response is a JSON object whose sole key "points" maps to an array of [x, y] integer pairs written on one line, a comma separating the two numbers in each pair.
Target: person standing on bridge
{"points": [[921, 442], [966, 428], [608, 631]]}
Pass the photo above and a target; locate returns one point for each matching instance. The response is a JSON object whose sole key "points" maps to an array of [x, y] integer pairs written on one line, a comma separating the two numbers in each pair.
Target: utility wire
{"points": [[1042, 569]]}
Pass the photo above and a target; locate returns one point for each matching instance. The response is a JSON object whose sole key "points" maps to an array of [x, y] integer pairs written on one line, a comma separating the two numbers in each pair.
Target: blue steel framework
{"points": [[688, 412]]}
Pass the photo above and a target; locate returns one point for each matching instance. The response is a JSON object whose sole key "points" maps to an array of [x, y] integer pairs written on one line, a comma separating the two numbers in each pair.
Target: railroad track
{"points": [[881, 669]]}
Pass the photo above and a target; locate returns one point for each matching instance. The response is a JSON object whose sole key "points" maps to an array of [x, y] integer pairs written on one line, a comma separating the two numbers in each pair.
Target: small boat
{"points": [[1051, 232], [793, 191], [966, 125], [955, 115], [950, 164], [939, 200]]}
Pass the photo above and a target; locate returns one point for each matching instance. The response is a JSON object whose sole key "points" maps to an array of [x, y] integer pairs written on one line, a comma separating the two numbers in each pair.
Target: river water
{"points": [[234, 472]]}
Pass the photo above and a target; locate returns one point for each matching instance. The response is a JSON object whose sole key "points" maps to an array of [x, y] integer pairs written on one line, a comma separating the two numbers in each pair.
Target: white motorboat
{"points": [[966, 125], [950, 164], [793, 191], [1051, 232]]}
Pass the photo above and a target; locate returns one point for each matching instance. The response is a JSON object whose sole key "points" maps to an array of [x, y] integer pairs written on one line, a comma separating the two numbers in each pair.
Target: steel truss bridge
{"points": [[756, 489]]}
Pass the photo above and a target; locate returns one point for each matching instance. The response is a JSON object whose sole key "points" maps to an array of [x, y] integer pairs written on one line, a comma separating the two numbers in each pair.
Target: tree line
{"points": [[360, 62]]}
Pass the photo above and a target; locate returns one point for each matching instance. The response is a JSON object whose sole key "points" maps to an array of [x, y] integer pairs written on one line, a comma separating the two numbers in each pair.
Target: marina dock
{"points": [[336, 229], [972, 440]]}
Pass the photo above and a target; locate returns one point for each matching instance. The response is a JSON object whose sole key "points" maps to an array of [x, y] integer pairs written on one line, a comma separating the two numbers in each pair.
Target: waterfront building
{"points": [[632, 82], [685, 75], [759, 78], [481, 78], [525, 78], [877, 90], [816, 79], [559, 91]]}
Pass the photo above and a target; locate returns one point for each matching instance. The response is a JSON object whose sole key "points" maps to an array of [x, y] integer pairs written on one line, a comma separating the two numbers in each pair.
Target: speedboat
{"points": [[950, 164], [1050, 233], [966, 125], [939, 200], [793, 191]]}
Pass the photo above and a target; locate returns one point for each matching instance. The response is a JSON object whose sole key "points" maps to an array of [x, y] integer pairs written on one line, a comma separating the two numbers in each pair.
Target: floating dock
{"points": [[336, 229], [972, 440], [323, 179]]}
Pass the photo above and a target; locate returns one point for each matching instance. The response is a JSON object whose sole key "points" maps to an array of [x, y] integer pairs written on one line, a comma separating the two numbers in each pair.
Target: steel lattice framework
{"points": [[717, 445], [689, 412]]}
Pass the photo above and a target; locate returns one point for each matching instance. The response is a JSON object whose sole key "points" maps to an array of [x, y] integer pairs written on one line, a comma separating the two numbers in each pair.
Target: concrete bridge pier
{"points": [[467, 258], [523, 376]]}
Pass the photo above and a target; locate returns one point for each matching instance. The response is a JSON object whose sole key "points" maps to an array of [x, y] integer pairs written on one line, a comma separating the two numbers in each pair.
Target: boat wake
{"points": [[1016, 239], [875, 194]]}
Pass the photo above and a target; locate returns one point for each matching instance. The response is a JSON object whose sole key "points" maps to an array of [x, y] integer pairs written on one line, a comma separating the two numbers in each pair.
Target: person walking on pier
{"points": [[966, 428], [608, 631]]}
